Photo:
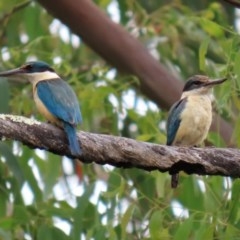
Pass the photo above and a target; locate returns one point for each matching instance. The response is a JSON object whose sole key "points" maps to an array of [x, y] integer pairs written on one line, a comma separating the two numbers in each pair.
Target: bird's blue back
{"points": [[60, 100], [174, 120]]}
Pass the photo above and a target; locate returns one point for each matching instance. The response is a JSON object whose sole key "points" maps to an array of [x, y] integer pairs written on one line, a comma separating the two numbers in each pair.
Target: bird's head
{"points": [[31, 71], [200, 84]]}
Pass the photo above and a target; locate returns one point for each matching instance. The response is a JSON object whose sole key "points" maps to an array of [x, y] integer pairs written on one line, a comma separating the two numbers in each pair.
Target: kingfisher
{"points": [[54, 98], [190, 118]]}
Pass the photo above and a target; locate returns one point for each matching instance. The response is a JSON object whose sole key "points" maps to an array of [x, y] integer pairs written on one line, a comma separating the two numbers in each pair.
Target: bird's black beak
{"points": [[212, 83], [12, 73]]}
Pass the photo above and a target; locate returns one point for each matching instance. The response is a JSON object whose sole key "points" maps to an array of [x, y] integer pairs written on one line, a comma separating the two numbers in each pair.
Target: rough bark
{"points": [[123, 51], [122, 152]]}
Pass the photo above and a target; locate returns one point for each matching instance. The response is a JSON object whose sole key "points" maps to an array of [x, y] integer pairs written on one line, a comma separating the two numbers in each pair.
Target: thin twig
{"points": [[14, 10]]}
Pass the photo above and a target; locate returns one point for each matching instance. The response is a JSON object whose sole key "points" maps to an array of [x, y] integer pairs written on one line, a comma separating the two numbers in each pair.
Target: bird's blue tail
{"points": [[72, 139]]}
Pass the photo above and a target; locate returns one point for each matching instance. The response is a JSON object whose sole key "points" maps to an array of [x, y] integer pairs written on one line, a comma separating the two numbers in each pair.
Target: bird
{"points": [[54, 98], [190, 118]]}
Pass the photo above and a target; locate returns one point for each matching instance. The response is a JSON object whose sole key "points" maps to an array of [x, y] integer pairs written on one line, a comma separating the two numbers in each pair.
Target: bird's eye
{"points": [[197, 83]]}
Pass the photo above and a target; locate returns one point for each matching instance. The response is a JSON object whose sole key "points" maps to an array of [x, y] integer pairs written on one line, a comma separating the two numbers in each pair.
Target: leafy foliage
{"points": [[38, 201]]}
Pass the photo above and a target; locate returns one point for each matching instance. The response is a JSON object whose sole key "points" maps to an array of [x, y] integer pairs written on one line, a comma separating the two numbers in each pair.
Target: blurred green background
{"points": [[38, 201]]}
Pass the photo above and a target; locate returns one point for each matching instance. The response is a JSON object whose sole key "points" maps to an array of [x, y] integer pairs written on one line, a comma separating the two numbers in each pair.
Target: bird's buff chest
{"points": [[42, 108], [196, 120]]}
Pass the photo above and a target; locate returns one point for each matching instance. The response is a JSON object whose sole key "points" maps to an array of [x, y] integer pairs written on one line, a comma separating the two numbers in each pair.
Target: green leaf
{"points": [[236, 65], [234, 203], [50, 170], [28, 173], [126, 219], [116, 186], [31, 17], [123, 11], [21, 215], [194, 200], [7, 223], [184, 229], [202, 53], [3, 203], [101, 233], [64, 211], [12, 163], [212, 28], [145, 137], [4, 96], [155, 225], [50, 232], [205, 231], [89, 220], [79, 213]]}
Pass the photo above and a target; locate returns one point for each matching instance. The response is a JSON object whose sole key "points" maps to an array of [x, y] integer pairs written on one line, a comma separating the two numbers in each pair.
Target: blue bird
{"points": [[190, 118], [54, 98]]}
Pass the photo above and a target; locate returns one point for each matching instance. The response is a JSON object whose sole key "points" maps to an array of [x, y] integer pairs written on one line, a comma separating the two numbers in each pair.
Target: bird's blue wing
{"points": [[60, 100], [174, 120]]}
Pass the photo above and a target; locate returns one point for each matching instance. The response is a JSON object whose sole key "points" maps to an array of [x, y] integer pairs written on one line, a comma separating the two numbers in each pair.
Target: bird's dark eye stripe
{"points": [[192, 84], [197, 82]]}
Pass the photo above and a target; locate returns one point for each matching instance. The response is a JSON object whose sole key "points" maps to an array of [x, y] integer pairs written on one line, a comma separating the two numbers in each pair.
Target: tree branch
{"points": [[122, 152], [235, 3]]}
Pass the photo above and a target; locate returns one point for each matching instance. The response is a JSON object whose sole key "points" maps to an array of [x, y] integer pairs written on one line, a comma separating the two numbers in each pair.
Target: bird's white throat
{"points": [[40, 76]]}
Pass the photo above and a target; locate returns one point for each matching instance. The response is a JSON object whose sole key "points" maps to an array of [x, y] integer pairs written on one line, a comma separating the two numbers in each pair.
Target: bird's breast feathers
{"points": [[43, 109], [196, 119]]}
